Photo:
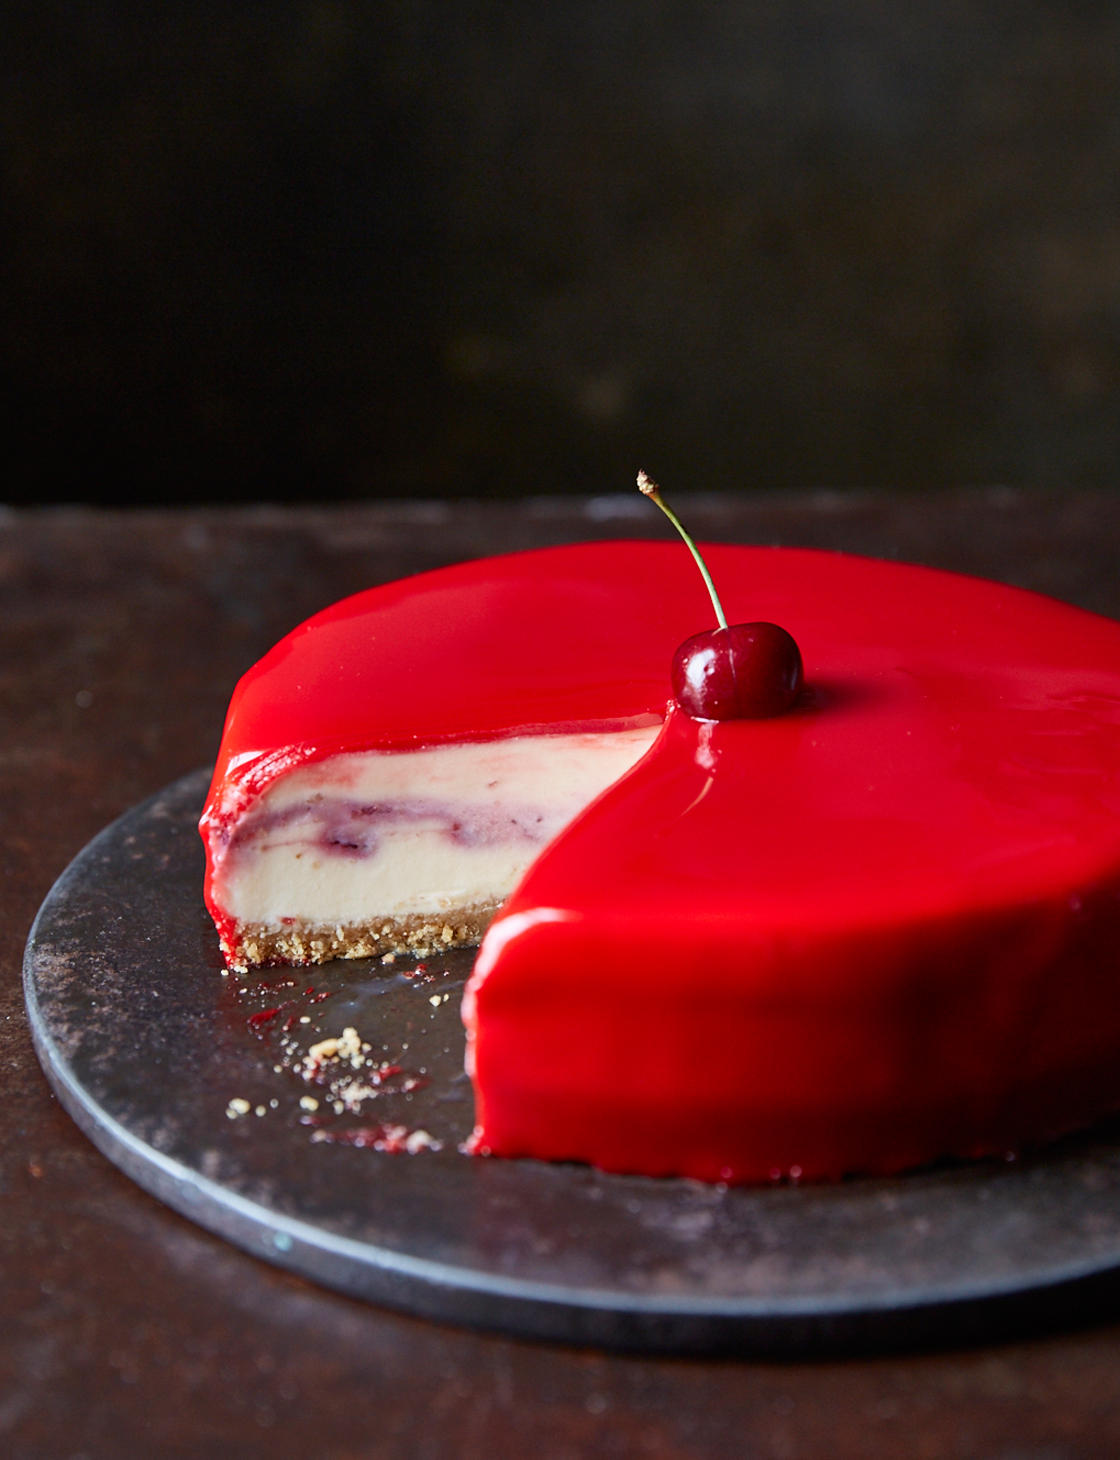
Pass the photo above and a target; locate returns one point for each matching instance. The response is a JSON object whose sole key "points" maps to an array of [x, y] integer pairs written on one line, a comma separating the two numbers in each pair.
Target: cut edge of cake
{"points": [[373, 853]]}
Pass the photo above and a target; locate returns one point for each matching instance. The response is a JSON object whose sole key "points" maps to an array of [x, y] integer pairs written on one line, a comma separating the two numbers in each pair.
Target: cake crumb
{"points": [[347, 1046], [323, 1050], [396, 1140], [350, 1046]]}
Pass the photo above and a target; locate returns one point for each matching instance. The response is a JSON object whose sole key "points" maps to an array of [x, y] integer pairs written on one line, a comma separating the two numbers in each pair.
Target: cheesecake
{"points": [[881, 928]]}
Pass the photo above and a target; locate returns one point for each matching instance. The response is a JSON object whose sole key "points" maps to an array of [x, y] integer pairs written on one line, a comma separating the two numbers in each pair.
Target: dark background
{"points": [[336, 249]]}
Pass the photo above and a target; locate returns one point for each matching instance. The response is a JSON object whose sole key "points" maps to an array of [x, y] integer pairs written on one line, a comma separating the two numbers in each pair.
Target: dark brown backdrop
{"points": [[256, 249]]}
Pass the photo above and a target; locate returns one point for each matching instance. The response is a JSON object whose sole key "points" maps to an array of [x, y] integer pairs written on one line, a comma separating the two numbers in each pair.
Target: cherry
{"points": [[735, 672], [743, 672]]}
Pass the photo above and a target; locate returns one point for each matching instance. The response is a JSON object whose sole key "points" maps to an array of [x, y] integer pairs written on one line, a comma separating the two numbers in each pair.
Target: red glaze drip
{"points": [[257, 1022]]}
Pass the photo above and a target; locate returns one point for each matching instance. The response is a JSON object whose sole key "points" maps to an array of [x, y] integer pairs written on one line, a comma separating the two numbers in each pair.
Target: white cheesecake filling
{"points": [[398, 833]]}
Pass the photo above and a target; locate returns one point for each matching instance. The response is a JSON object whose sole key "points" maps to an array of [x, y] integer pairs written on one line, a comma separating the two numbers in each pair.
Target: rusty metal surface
{"points": [[128, 1331]]}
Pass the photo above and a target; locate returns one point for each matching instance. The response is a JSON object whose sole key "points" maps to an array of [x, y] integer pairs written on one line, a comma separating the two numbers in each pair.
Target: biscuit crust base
{"points": [[264, 945]]}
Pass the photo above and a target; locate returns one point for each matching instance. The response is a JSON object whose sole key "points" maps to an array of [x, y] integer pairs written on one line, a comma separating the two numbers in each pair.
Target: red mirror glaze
{"points": [[876, 929]]}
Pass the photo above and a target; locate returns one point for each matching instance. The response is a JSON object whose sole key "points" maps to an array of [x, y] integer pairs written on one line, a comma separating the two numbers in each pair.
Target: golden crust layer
{"points": [[260, 945]]}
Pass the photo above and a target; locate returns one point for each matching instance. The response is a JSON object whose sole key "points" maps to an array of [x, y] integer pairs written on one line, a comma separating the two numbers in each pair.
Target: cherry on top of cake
{"points": [[735, 671]]}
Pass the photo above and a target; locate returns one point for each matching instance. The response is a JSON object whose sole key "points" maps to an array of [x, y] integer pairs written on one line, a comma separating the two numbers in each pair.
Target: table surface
{"points": [[128, 1331]]}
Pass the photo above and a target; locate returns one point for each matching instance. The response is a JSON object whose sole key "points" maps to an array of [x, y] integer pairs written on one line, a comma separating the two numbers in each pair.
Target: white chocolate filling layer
{"points": [[394, 833]]}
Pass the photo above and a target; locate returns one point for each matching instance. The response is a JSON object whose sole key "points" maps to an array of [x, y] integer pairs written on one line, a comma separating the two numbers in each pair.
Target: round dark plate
{"points": [[147, 1041]]}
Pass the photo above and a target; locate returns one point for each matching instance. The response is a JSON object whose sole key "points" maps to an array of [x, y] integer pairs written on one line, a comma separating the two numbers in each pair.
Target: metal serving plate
{"points": [[147, 1041]]}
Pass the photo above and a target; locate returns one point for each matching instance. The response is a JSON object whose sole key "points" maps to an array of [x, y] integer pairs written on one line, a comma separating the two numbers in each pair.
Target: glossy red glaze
{"points": [[874, 930], [879, 929]]}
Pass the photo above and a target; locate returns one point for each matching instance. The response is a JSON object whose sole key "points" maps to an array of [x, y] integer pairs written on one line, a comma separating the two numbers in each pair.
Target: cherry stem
{"points": [[649, 488]]}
